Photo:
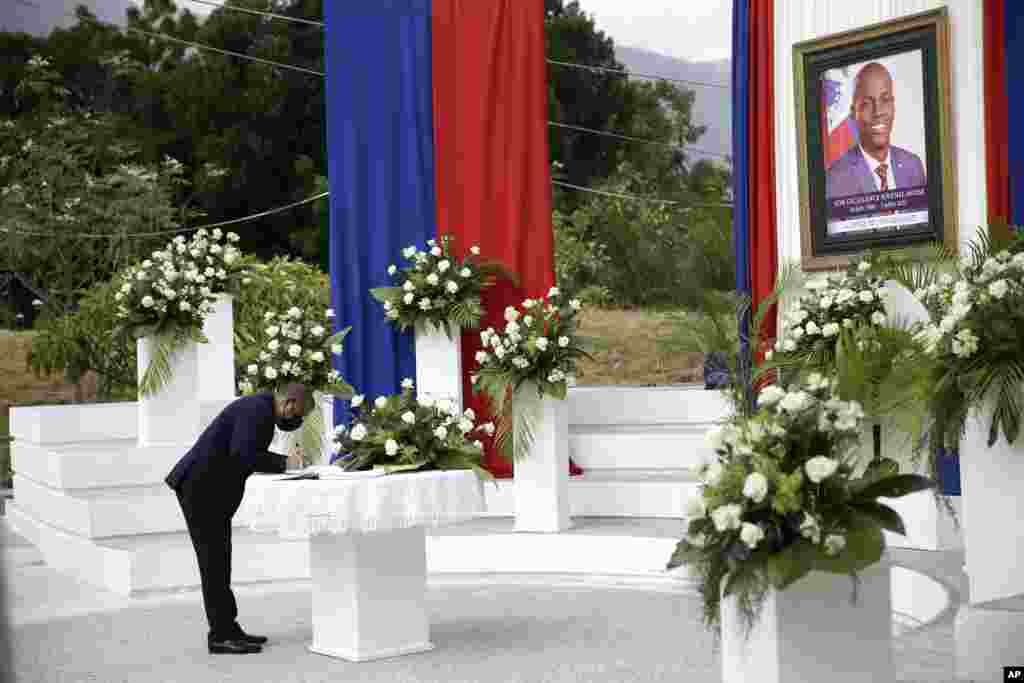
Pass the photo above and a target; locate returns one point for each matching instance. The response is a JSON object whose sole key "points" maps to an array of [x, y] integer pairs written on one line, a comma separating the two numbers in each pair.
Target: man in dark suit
{"points": [[210, 482], [874, 165]]}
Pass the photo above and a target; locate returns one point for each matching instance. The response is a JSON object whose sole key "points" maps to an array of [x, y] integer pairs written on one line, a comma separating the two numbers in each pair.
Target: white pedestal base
{"points": [[992, 480], [217, 356], [811, 633], [439, 364], [170, 416], [541, 480], [369, 594], [986, 641]]}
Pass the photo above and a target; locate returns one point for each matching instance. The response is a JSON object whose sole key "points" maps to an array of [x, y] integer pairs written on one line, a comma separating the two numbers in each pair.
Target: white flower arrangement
{"points": [[437, 287], [406, 432], [779, 499], [169, 295], [974, 338], [295, 347], [833, 303]]}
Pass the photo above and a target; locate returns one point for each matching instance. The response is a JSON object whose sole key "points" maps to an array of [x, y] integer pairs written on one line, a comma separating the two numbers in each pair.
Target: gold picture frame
{"points": [[858, 94]]}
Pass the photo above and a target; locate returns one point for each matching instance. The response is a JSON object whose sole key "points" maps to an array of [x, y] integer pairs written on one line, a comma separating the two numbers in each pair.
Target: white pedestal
{"points": [[217, 356], [541, 480], [986, 641], [993, 506], [439, 364], [171, 415], [811, 633], [369, 594], [326, 403]]}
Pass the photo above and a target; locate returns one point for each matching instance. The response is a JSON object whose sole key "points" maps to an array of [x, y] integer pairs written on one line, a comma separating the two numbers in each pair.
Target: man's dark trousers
{"points": [[209, 525]]}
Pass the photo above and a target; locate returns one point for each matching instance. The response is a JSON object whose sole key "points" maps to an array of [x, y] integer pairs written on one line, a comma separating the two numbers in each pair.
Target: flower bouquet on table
{"points": [[295, 346], [168, 296], [778, 500], [408, 433], [537, 352], [437, 288], [975, 339]]}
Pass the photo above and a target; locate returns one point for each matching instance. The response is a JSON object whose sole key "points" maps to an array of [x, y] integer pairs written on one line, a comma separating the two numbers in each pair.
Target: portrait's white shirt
{"points": [[873, 164]]}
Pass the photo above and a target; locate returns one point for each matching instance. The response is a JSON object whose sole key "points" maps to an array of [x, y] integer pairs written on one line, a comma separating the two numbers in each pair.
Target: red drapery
{"points": [[491, 150], [761, 122], [997, 167]]}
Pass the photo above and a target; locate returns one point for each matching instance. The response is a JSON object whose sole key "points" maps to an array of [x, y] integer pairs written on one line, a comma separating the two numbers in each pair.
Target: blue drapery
{"points": [[381, 171], [1015, 104], [740, 141]]}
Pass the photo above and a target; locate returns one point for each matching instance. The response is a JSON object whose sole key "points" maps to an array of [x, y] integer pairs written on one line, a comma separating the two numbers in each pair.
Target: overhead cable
{"points": [[636, 74]]}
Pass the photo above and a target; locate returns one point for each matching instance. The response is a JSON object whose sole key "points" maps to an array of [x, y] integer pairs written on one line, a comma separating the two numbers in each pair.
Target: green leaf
{"points": [[791, 564], [557, 390], [894, 487], [864, 547], [684, 553], [383, 294], [884, 515]]}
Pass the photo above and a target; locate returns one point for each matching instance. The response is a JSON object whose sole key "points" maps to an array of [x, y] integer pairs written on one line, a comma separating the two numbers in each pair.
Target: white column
{"points": [[217, 356], [326, 403], [439, 363], [811, 632], [369, 594], [541, 480], [171, 415]]}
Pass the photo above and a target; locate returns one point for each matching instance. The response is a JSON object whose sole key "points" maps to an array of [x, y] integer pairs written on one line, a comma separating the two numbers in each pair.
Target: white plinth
{"points": [[986, 641], [541, 480], [439, 364], [992, 483], [811, 633], [369, 599], [217, 356], [171, 415]]}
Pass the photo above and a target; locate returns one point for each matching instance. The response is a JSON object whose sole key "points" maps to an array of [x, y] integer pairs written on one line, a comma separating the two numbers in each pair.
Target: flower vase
{"points": [[171, 414], [993, 479], [813, 631], [439, 363], [541, 479], [217, 356]]}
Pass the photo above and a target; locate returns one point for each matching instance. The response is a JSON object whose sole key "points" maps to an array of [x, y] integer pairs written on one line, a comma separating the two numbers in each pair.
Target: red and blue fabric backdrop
{"points": [[1004, 93], [436, 116]]}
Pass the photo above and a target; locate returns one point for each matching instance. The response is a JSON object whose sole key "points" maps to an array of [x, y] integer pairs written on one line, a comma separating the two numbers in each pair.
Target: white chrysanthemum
{"points": [[727, 517], [755, 487], [452, 287], [834, 544], [695, 507], [358, 432], [270, 373], [751, 534], [391, 447], [357, 400], [407, 383], [820, 468]]}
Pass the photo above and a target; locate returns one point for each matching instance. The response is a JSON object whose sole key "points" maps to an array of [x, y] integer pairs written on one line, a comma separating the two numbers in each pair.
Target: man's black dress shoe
{"points": [[233, 646], [255, 640]]}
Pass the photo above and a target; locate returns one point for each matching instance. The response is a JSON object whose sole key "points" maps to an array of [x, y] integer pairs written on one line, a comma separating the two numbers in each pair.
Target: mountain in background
{"points": [[713, 105], [18, 17]]}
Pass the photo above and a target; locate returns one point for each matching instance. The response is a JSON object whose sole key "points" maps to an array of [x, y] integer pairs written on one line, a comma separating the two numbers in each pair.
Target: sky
{"points": [[695, 30]]}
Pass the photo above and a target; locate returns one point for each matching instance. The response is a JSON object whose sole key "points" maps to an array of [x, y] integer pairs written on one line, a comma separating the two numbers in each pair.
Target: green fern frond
{"points": [[160, 372]]}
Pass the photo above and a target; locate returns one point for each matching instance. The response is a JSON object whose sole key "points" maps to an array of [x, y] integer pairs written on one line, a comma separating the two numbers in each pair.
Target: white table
{"points": [[367, 543]]}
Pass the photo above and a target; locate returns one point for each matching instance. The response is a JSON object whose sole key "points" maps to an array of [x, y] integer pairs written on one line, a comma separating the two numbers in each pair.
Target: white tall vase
{"points": [[217, 356], [811, 632], [171, 415], [541, 480], [439, 363]]}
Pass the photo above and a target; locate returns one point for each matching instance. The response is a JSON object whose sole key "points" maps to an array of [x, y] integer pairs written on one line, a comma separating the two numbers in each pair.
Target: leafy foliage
{"points": [[779, 499], [406, 433]]}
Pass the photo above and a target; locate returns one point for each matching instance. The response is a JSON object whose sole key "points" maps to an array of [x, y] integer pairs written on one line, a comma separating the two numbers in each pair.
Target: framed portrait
{"points": [[874, 139]]}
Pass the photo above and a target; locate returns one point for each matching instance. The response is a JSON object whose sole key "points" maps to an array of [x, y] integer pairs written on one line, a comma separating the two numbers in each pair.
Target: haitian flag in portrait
{"points": [[436, 118]]}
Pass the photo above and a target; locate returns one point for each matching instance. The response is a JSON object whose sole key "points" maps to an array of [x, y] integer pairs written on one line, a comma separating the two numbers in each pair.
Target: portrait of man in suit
{"points": [[873, 163]]}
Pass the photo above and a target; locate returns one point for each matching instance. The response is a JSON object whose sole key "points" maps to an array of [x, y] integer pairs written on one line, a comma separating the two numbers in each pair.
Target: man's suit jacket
{"points": [[850, 173], [228, 451]]}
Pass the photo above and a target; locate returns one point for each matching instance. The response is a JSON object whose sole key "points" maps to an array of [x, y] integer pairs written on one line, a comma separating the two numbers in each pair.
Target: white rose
{"points": [[713, 474], [317, 331], [751, 534], [441, 433], [409, 298], [465, 272], [317, 356], [407, 383], [727, 517], [358, 432], [830, 329], [452, 287], [432, 279], [795, 401], [819, 468], [336, 349], [330, 313], [542, 343], [878, 318], [834, 544], [563, 342], [147, 301], [253, 369], [409, 286], [469, 414], [809, 528], [357, 400], [755, 487], [465, 425], [812, 328], [184, 305], [998, 288], [270, 373], [392, 269], [294, 350], [409, 252], [391, 447], [695, 507], [436, 251], [771, 395], [425, 303], [443, 266], [553, 292], [409, 417], [575, 304], [867, 296]]}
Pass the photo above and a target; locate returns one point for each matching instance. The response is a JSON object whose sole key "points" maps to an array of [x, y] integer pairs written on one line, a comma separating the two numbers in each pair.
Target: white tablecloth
{"points": [[361, 503]]}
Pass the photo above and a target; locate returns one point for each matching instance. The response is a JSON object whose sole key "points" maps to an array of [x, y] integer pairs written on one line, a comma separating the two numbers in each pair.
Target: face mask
{"points": [[289, 424]]}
